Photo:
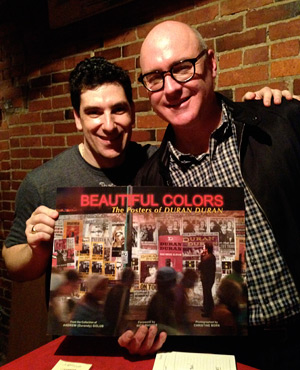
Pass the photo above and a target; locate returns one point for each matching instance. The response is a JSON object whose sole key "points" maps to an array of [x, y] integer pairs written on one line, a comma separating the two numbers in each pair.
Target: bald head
{"points": [[163, 40], [172, 50]]}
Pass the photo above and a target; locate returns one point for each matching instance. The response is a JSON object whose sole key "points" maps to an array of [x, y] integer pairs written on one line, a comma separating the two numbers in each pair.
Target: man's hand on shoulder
{"points": [[267, 94], [144, 342], [40, 226]]}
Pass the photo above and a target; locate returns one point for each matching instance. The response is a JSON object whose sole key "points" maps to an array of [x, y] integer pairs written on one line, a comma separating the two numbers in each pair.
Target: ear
{"points": [[212, 62], [77, 120]]}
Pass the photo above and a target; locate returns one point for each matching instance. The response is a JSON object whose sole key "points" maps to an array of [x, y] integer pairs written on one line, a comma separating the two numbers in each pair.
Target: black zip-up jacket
{"points": [[269, 144]]}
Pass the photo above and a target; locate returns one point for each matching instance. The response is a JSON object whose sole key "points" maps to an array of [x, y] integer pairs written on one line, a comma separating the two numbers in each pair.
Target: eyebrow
{"points": [[121, 104]]}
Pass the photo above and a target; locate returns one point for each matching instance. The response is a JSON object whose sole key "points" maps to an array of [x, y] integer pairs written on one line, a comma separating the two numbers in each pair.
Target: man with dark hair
{"points": [[104, 111]]}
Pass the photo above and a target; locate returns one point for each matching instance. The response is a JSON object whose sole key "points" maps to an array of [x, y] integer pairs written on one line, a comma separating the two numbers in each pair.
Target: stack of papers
{"points": [[193, 361]]}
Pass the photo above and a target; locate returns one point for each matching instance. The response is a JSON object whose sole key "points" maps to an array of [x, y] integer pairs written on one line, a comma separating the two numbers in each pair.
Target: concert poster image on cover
{"points": [[130, 256]]}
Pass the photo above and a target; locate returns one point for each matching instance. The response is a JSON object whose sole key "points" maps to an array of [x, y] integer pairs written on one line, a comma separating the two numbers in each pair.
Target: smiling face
{"points": [[106, 119], [181, 104]]}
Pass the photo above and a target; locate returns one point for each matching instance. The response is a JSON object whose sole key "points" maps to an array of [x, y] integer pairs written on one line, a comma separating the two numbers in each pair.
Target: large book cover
{"points": [[130, 256]]}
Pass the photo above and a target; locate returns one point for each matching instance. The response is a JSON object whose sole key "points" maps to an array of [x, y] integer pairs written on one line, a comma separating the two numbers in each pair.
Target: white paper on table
{"points": [[193, 361], [67, 365]]}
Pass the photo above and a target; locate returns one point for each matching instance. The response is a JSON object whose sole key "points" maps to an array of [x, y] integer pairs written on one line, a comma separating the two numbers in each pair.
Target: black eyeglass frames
{"points": [[181, 71]]}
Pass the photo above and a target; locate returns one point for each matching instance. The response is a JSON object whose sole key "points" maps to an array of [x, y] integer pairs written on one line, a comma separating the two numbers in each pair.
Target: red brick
{"points": [[9, 195], [19, 131], [142, 92], [256, 55], [132, 49], [236, 6], [30, 141], [14, 119], [19, 153], [242, 76], [18, 102], [252, 37], [62, 102], [44, 92], [41, 129], [38, 105], [5, 185], [230, 60], [5, 166], [53, 116], [74, 139], [285, 49], [30, 117], [4, 133], [40, 153], [297, 87], [14, 143], [124, 37], [53, 141], [142, 106], [143, 135], [199, 15], [6, 206], [149, 121], [30, 164], [5, 156], [284, 29], [4, 145], [4, 176], [127, 64], [71, 62], [15, 163], [160, 135], [220, 28], [289, 67], [110, 54], [272, 14], [64, 128], [60, 77], [61, 89]]}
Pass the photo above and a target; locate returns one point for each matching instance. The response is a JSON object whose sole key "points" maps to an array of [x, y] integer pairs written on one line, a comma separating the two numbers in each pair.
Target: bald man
{"points": [[212, 141]]}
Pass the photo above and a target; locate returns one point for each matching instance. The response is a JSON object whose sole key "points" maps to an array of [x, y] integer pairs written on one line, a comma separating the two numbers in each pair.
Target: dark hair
{"points": [[93, 72], [209, 247], [237, 266], [128, 276], [72, 276]]}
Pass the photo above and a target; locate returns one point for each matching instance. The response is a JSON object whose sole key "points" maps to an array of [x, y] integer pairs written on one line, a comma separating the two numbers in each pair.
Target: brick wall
{"points": [[257, 44]]}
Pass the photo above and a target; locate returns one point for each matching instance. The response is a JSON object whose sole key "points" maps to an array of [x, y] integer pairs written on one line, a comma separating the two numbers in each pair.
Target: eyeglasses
{"points": [[182, 71]]}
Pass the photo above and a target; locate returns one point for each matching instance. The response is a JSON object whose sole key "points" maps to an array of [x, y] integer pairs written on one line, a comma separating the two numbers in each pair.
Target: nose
{"points": [[108, 124], [171, 86]]}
